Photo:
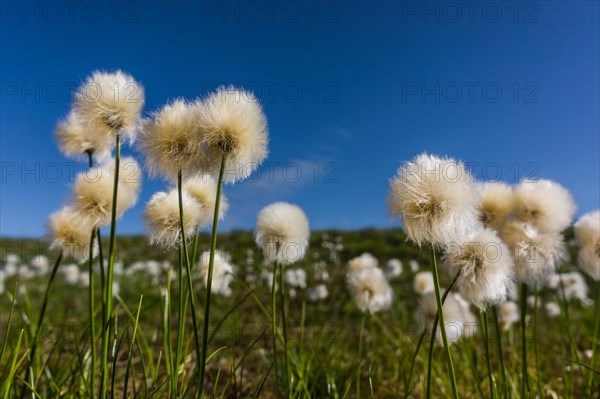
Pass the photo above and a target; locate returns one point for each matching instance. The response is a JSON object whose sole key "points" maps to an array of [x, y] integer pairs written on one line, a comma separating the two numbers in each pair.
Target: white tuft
{"points": [[423, 283], [393, 268], [453, 316], [509, 314], [363, 261], [93, 191], [497, 203], [170, 141], [71, 232], [222, 272], [203, 188], [536, 255], [587, 233], [233, 124], [110, 103], [163, 220], [437, 200], [282, 233], [76, 139], [485, 268], [370, 290], [545, 204]]}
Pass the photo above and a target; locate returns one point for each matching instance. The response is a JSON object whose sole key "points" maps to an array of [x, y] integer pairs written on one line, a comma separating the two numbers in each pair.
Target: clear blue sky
{"points": [[351, 89]]}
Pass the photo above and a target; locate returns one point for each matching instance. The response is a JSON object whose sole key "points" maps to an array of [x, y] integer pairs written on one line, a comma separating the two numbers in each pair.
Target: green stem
{"points": [[211, 265], [525, 375], [180, 326], [194, 254], [407, 389], [102, 275], [500, 353], [433, 333], [283, 323], [274, 328], [189, 271], [34, 343], [535, 340], [360, 353], [486, 336], [92, 317], [108, 297], [440, 313], [595, 338]]}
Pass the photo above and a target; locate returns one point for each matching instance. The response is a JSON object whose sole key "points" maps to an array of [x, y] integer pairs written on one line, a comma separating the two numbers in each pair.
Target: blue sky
{"points": [[350, 89]]}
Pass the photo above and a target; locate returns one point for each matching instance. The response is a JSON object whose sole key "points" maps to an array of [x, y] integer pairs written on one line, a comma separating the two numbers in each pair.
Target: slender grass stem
{"points": [[108, 296], [189, 270], [283, 324], [102, 275], [92, 317], [360, 354], [438, 297], [524, 372], [274, 324], [34, 343], [211, 265], [407, 388], [595, 337], [433, 333], [536, 351], [486, 336], [571, 349], [500, 353], [132, 345], [180, 325]]}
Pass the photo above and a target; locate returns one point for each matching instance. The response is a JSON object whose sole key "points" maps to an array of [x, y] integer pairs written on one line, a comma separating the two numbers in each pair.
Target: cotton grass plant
{"points": [[488, 235], [282, 232], [437, 201]]}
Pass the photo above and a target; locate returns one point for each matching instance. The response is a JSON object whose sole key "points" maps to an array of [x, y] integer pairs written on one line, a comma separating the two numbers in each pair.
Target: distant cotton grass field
{"points": [[490, 290], [322, 320]]}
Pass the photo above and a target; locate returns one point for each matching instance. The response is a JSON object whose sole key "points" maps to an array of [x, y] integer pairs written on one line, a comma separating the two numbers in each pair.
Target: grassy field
{"points": [[324, 334]]}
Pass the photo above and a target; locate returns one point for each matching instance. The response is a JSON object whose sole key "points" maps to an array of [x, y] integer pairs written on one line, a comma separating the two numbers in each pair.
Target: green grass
{"points": [[323, 337]]}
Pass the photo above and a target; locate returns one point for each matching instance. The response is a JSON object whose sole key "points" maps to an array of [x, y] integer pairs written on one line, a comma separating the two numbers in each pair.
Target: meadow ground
{"points": [[323, 328]]}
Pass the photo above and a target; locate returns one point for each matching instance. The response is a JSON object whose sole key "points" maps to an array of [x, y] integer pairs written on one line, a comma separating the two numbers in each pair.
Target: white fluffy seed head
{"points": [[282, 233], [496, 204], [587, 229], [393, 268], [437, 200], [76, 139], [485, 266], [589, 260], [222, 272], [363, 261], [423, 283], [370, 289], [509, 314], [93, 194], [295, 278], [163, 221], [453, 315], [587, 234], [40, 264], [110, 103], [170, 141], [71, 231], [573, 286], [233, 124], [536, 255], [552, 309], [203, 188], [545, 204]]}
